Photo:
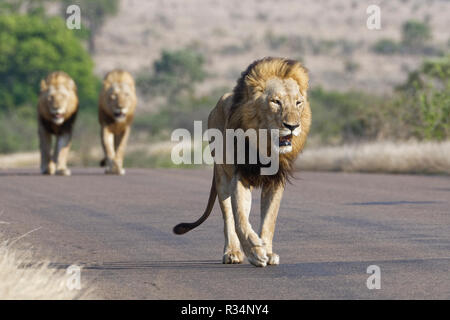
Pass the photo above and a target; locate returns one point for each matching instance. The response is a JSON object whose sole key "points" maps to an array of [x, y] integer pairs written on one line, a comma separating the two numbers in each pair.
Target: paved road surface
{"points": [[331, 227]]}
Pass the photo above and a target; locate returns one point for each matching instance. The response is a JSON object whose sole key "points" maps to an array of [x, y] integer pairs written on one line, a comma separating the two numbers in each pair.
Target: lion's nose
{"points": [[291, 127]]}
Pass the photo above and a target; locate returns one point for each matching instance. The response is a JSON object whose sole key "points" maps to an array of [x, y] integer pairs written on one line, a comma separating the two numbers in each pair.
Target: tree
{"points": [[93, 14], [33, 46], [174, 73], [427, 95], [23, 6], [415, 33]]}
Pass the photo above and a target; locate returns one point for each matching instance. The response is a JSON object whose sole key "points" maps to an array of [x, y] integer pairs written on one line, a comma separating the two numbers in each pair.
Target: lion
{"points": [[270, 94], [57, 111], [117, 104]]}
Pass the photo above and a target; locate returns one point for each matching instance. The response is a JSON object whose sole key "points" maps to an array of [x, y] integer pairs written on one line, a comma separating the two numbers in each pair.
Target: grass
{"points": [[380, 157], [24, 278], [376, 157]]}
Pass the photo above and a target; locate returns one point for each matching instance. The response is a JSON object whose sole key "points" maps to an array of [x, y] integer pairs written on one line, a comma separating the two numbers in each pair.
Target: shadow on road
{"points": [[389, 203]]}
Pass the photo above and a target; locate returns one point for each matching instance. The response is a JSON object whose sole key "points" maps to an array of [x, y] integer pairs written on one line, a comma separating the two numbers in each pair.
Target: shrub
{"points": [[415, 33], [385, 46], [427, 94], [174, 73]]}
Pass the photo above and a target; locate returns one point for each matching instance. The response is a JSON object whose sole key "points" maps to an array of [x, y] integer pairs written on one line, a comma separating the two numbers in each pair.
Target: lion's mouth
{"points": [[58, 117], [119, 114], [286, 141]]}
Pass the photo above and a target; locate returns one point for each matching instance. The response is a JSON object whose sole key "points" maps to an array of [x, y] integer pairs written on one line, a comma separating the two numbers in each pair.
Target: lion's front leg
{"points": [[107, 138], [270, 204], [241, 200], [61, 154], [120, 141], [45, 144]]}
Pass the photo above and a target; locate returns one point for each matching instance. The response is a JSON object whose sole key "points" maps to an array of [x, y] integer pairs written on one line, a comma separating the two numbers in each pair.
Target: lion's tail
{"points": [[186, 227], [103, 162]]}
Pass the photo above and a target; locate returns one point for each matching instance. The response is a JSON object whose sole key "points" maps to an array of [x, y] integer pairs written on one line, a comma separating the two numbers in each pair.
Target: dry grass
{"points": [[380, 157], [23, 278], [18, 160]]}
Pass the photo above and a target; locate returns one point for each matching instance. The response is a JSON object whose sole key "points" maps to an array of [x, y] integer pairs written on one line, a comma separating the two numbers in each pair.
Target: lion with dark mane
{"points": [[117, 105], [271, 94], [57, 111]]}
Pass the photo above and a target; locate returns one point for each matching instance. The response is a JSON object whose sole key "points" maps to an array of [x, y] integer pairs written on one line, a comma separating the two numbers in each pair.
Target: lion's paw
{"points": [[63, 172], [50, 169], [274, 259], [115, 170], [258, 256], [233, 257]]}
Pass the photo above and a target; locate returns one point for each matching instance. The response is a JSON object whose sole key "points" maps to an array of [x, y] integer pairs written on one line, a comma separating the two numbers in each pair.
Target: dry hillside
{"points": [[330, 36]]}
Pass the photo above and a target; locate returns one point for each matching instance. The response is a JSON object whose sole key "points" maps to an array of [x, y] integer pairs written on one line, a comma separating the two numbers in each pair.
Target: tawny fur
{"points": [[57, 110], [118, 96], [252, 106]]}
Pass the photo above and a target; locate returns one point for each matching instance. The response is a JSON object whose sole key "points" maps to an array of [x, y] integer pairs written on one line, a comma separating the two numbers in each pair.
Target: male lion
{"points": [[57, 110], [117, 104], [270, 94]]}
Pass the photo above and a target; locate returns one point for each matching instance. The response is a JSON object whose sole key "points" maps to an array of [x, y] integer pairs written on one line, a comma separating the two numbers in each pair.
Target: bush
{"points": [[385, 46], [342, 117], [176, 72], [32, 47], [427, 95], [415, 33]]}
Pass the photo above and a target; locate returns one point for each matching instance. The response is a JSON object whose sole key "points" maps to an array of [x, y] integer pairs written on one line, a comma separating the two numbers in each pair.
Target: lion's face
{"points": [[282, 105], [60, 101], [120, 100]]}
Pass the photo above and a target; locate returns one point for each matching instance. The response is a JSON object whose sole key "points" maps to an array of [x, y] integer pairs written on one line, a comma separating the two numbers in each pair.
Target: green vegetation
{"points": [[427, 95], [386, 46], [34, 7], [420, 109], [415, 33], [174, 74], [31, 47], [415, 38]]}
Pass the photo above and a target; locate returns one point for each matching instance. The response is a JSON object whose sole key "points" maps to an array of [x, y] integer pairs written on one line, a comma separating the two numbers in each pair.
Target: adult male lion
{"points": [[270, 94], [57, 110], [117, 104]]}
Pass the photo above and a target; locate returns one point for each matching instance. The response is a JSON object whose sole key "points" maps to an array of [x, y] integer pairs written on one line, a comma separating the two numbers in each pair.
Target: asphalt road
{"points": [[331, 227]]}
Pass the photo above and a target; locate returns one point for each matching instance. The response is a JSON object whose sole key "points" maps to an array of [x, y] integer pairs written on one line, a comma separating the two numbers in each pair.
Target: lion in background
{"points": [[57, 111], [270, 94], [117, 104]]}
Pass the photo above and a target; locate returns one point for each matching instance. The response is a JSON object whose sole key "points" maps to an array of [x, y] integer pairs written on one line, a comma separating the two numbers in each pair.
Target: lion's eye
{"points": [[299, 103], [276, 101]]}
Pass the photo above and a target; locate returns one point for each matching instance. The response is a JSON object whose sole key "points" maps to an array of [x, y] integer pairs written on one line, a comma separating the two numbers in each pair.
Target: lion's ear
{"points": [[43, 85], [71, 84]]}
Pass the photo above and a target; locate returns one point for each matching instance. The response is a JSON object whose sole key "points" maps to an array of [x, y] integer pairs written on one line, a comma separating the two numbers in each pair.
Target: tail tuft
{"points": [[103, 163], [182, 228]]}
